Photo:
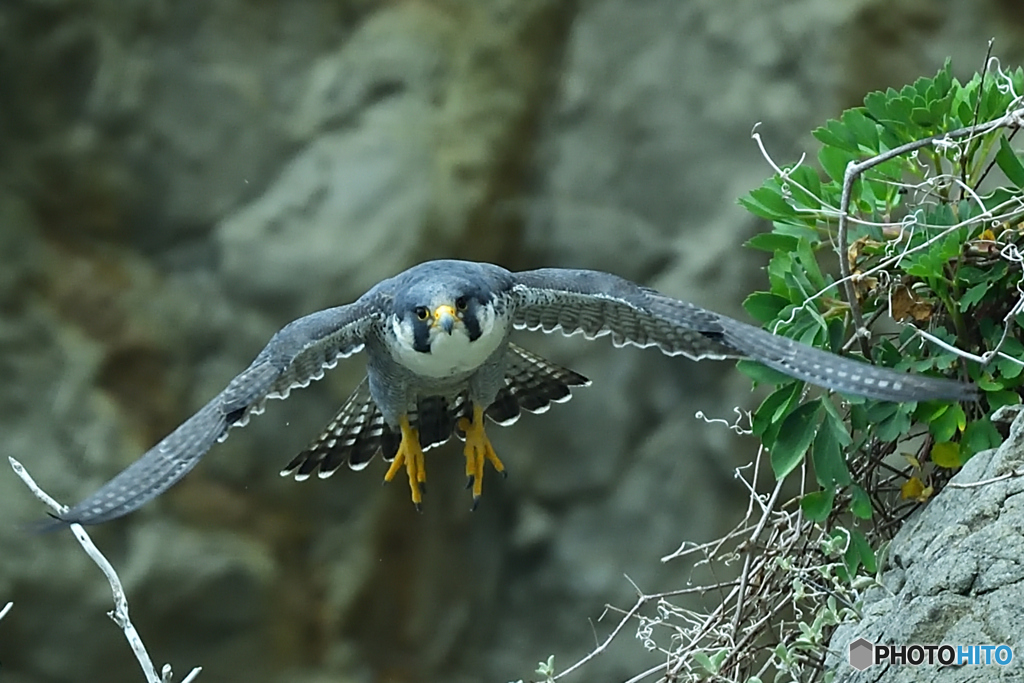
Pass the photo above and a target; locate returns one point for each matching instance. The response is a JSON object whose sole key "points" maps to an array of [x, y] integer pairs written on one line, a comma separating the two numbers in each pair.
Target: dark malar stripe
{"points": [[421, 337], [472, 323]]}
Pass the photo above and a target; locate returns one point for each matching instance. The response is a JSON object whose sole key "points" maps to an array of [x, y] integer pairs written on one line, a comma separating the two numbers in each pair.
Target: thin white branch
{"points": [[949, 347], [120, 612], [986, 482], [6, 609], [751, 545], [607, 641]]}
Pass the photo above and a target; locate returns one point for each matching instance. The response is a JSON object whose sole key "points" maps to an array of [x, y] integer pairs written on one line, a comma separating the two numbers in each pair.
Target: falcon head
{"points": [[440, 310]]}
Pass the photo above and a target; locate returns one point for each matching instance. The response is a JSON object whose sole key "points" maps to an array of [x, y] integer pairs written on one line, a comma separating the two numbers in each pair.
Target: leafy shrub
{"points": [[920, 204], [907, 247]]}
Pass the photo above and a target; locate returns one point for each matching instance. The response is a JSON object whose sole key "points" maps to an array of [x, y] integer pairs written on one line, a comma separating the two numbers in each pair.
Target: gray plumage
{"points": [[414, 370], [359, 430]]}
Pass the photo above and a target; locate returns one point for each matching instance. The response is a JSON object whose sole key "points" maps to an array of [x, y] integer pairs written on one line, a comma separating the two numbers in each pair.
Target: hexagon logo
{"points": [[862, 654]]}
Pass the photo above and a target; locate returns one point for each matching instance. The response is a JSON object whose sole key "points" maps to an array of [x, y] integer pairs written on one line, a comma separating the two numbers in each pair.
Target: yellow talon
{"points": [[478, 449], [409, 454]]}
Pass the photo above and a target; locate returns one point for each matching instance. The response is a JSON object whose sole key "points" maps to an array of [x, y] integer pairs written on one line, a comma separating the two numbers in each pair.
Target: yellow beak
{"points": [[445, 317]]}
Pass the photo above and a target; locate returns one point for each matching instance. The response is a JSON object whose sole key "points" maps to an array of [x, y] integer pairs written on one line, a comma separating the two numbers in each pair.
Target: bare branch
{"points": [[986, 482], [120, 612]]}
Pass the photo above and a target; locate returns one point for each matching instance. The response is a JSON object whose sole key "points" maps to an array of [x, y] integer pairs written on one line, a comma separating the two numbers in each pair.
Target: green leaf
{"points": [[796, 280], [964, 113], [881, 410], [923, 118], [993, 102], [837, 423], [987, 382], [1011, 368], [973, 295], [834, 160], [827, 455], [899, 107], [796, 228], [836, 334], [837, 136], [998, 399], [817, 505], [778, 270], [705, 662], [895, 426], [767, 202], [766, 421], [1009, 163], [860, 503], [808, 328], [980, 435], [876, 104], [859, 416], [886, 194], [945, 426], [864, 130], [939, 109], [944, 77], [772, 242], [764, 306], [860, 553], [805, 256], [807, 178], [795, 436], [851, 557]]}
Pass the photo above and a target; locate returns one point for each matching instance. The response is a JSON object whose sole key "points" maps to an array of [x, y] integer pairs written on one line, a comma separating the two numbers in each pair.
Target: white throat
{"points": [[450, 354]]}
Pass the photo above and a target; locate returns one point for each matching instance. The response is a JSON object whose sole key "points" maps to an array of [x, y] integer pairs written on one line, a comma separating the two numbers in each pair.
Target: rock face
{"points": [[180, 179], [955, 576]]}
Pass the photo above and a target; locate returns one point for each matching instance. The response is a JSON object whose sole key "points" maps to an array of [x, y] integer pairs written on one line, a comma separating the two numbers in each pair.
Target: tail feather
{"points": [[359, 431], [532, 384]]}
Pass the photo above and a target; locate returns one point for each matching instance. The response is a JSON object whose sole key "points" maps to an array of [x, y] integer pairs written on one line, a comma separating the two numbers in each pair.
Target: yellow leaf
{"points": [[912, 489], [946, 454]]}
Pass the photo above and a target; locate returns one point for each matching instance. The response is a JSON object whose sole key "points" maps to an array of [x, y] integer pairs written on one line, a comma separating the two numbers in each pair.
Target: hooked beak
{"points": [[444, 316]]}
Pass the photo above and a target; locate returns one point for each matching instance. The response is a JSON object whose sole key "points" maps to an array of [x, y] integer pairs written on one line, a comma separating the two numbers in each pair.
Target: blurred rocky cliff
{"points": [[180, 179]]}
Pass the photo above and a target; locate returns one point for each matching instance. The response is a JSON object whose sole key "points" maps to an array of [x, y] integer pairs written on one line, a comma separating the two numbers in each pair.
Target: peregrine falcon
{"points": [[440, 360]]}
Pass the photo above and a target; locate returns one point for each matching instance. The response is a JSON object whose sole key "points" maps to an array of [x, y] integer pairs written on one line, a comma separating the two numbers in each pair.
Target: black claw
{"points": [[469, 482], [476, 502], [504, 474], [419, 507], [423, 487]]}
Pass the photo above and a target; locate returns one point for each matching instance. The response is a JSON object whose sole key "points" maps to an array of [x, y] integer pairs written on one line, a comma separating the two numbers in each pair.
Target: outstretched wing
{"points": [[598, 304], [295, 356]]}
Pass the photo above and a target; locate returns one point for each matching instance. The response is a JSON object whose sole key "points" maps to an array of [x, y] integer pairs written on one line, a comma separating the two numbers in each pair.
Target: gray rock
{"points": [[360, 198], [955, 576]]}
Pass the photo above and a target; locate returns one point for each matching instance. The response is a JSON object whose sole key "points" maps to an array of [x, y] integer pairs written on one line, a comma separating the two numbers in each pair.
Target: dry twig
{"points": [[120, 612]]}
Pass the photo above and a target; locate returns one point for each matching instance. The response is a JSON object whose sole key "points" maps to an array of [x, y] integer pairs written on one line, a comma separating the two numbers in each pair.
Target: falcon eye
{"points": [[421, 312], [461, 303]]}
